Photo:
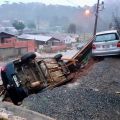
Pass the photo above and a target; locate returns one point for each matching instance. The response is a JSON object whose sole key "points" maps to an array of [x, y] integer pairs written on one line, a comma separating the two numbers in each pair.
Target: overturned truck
{"points": [[30, 74]]}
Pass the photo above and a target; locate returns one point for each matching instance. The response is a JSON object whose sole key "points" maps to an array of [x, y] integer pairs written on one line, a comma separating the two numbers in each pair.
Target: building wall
{"points": [[21, 51], [16, 48], [11, 52], [54, 42], [9, 40], [7, 52]]}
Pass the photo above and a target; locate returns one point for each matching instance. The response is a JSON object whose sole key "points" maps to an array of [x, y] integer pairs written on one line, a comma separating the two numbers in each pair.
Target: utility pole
{"points": [[96, 18]]}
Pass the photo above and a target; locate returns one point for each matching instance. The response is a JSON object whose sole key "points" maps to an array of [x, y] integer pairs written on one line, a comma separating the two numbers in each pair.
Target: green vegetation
{"points": [[18, 25]]}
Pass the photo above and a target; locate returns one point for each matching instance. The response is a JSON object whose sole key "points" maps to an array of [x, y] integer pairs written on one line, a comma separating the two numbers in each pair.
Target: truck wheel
{"points": [[29, 56], [58, 57]]}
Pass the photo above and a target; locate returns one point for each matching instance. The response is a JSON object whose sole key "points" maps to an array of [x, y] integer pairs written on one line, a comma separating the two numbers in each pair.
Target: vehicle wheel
{"points": [[29, 56], [17, 94], [58, 57]]}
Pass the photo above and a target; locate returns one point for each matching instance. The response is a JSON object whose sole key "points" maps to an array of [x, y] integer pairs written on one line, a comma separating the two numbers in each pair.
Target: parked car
{"points": [[106, 43]]}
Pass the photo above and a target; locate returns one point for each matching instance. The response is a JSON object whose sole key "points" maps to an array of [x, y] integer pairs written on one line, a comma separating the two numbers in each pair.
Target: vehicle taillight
{"points": [[118, 44], [4, 69], [93, 46]]}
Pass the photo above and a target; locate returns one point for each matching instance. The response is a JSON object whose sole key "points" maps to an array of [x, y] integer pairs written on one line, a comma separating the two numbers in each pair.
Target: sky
{"points": [[60, 2]]}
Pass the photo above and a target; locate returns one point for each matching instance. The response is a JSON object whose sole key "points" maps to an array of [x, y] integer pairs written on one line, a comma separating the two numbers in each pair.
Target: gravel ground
{"points": [[95, 96]]}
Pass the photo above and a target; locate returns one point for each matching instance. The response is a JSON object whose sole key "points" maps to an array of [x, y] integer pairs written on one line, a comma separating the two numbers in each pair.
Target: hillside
{"points": [[58, 15]]}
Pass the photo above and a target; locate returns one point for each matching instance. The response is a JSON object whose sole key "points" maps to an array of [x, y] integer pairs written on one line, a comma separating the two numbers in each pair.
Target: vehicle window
{"points": [[106, 37]]}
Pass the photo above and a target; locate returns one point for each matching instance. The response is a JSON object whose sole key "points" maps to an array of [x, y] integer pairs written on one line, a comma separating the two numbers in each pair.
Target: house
{"points": [[44, 43], [66, 38], [5, 37], [40, 39], [10, 46]]}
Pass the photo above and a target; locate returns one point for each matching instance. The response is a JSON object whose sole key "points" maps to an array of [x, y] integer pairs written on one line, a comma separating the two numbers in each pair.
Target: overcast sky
{"points": [[61, 2]]}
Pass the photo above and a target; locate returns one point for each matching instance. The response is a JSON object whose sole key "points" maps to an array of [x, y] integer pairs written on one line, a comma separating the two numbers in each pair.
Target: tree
{"points": [[72, 28], [116, 20], [19, 26]]}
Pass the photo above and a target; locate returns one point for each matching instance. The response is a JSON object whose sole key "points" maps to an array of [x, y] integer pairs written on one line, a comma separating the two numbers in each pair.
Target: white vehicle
{"points": [[106, 43]]}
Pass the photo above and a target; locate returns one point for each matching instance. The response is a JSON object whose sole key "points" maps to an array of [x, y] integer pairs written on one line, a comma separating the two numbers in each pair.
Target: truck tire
{"points": [[58, 57], [27, 57]]}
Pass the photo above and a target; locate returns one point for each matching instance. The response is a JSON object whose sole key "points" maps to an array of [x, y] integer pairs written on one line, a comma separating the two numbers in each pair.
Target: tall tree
{"points": [[19, 26], [116, 20], [72, 28]]}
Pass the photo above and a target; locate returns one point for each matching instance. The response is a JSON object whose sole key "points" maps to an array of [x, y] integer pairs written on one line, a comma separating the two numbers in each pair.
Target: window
{"points": [[106, 37]]}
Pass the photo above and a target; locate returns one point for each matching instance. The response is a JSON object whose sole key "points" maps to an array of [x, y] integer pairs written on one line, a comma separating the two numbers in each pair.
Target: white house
{"points": [[66, 38]]}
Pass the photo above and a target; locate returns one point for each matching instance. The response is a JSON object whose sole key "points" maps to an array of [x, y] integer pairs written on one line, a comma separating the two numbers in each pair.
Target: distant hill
{"points": [[57, 15]]}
